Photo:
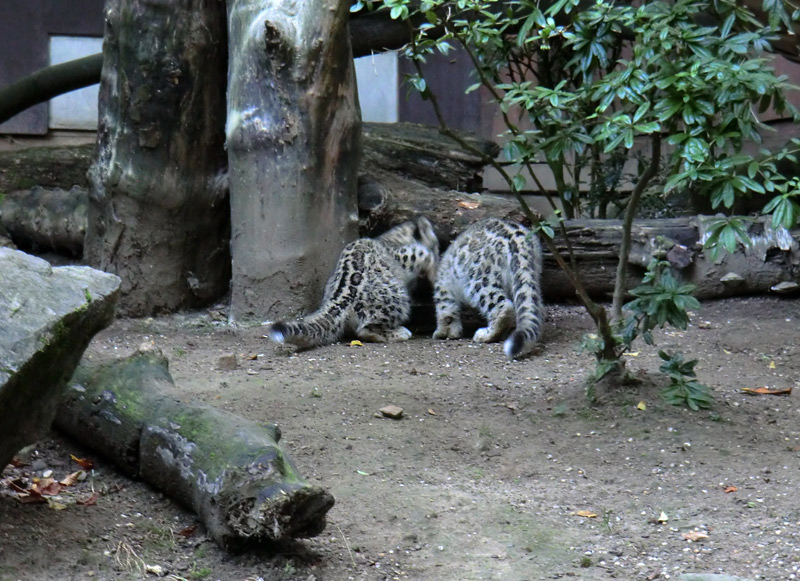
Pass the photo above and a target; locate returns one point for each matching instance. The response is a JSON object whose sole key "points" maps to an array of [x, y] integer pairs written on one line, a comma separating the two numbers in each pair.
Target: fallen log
{"points": [[47, 219], [773, 258], [411, 161], [409, 169], [232, 472]]}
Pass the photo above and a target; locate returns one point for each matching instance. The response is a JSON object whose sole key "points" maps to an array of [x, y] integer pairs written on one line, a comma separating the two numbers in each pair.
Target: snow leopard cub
{"points": [[494, 266], [368, 292]]}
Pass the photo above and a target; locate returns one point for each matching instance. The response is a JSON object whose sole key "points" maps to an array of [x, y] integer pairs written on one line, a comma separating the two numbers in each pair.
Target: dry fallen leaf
{"points": [[469, 205], [694, 536], [188, 531], [90, 500], [766, 391], [772, 365], [31, 497], [356, 343], [586, 514], [71, 479], [730, 489], [17, 485], [47, 487], [84, 463], [641, 405]]}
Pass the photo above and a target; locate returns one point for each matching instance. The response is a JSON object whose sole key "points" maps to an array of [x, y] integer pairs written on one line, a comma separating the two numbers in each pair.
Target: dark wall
{"points": [[25, 29], [448, 77]]}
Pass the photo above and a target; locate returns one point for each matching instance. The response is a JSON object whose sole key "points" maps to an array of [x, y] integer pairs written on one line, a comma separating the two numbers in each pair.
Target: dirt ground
{"points": [[497, 470]]}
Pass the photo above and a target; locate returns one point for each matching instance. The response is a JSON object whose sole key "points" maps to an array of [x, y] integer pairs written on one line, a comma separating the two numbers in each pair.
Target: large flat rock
{"points": [[48, 315]]}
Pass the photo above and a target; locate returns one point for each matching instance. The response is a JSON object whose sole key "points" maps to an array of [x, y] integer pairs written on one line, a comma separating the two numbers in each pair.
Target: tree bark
{"points": [[231, 471], [293, 144], [156, 218]]}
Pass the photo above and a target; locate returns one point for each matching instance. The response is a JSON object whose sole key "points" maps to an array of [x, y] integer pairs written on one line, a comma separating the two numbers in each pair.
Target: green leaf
{"points": [[727, 25], [641, 111], [647, 128], [399, 12]]}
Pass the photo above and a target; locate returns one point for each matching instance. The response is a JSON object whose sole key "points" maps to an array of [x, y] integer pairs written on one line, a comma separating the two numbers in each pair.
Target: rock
{"points": [[680, 256], [48, 316], [227, 362], [392, 411]]}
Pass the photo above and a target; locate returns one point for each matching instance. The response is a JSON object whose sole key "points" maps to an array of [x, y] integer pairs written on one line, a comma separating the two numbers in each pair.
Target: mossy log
{"points": [[232, 472]]}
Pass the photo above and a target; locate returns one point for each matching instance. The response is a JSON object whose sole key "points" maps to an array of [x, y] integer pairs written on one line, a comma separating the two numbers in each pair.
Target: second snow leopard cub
{"points": [[368, 293], [494, 266]]}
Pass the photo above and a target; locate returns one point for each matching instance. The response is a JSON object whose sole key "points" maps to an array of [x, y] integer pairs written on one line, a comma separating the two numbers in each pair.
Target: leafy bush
{"points": [[674, 88]]}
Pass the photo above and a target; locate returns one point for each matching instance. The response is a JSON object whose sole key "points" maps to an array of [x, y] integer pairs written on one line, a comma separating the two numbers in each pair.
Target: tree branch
{"points": [[49, 82]]}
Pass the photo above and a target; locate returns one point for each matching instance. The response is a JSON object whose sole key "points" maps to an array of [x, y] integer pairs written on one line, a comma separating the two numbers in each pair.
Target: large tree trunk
{"points": [[231, 471], [156, 218], [293, 144]]}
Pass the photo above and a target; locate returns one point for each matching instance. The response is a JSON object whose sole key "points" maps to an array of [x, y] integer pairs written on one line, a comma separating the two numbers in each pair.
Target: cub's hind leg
{"points": [[378, 333], [500, 317], [380, 318], [448, 314]]}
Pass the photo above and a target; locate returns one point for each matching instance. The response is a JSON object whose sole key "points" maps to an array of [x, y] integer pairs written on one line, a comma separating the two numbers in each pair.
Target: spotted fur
{"points": [[494, 266], [368, 293]]}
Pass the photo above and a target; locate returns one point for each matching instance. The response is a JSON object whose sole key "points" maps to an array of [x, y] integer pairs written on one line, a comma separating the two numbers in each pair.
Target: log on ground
{"points": [[437, 180], [232, 472], [773, 259], [43, 220]]}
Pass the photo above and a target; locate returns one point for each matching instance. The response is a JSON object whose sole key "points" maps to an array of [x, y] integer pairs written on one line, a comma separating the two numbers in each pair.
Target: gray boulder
{"points": [[48, 315]]}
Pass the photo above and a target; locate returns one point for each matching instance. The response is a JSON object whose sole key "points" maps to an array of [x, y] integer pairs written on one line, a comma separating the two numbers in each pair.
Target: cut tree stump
{"points": [[232, 472]]}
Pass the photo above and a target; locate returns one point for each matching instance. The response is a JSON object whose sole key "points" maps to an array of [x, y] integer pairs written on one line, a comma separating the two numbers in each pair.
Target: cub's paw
{"points": [[448, 331], [400, 334], [485, 335]]}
